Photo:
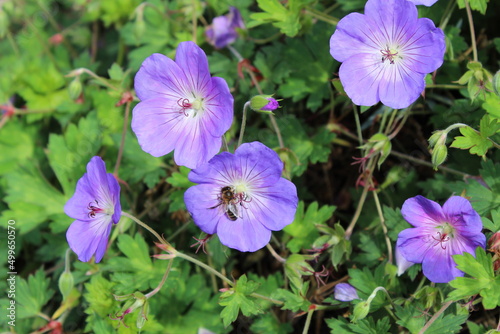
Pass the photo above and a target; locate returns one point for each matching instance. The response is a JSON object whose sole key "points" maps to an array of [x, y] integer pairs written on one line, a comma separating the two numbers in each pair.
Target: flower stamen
{"points": [[388, 54], [184, 104], [442, 238], [93, 209]]}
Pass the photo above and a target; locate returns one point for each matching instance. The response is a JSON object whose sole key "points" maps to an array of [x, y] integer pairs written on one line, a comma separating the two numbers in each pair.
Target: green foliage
{"points": [[32, 294], [478, 142], [482, 280], [479, 5], [238, 298]]}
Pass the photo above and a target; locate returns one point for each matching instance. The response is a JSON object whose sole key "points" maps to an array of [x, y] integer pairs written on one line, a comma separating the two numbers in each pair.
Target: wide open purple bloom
{"points": [[242, 197], [386, 53], [438, 234], [222, 31], [182, 107], [95, 205]]}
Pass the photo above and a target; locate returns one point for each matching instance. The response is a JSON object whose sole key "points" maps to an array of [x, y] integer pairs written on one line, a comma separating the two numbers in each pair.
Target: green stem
{"points": [[321, 16], [163, 280], [382, 223], [308, 321], [428, 164], [472, 33], [204, 266], [122, 142], [447, 14], [354, 219], [274, 301], [438, 313], [243, 122], [444, 86], [146, 226], [95, 76]]}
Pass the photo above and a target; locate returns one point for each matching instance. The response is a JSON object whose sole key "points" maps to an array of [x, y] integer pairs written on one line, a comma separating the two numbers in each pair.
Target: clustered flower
{"points": [[386, 53], [438, 233]]}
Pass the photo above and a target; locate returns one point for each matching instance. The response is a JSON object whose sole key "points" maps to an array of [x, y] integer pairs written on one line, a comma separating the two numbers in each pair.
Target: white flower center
{"points": [[391, 55], [443, 234]]}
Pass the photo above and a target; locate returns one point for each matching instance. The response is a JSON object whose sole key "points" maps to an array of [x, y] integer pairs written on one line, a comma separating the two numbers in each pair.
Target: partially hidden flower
{"points": [[95, 206], [264, 103], [427, 3], [386, 53], [345, 292], [438, 234], [222, 31], [242, 197], [182, 107]]}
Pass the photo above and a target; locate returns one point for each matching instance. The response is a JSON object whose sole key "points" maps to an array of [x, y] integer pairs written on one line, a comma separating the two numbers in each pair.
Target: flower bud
{"points": [[361, 311], [496, 83], [439, 154], [438, 137], [401, 262], [75, 88], [345, 292], [139, 28], [66, 284], [264, 103]]}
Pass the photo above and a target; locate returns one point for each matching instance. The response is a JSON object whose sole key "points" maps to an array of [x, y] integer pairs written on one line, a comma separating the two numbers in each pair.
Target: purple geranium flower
{"points": [[95, 205], [386, 53], [222, 31], [438, 234], [345, 292], [182, 107], [242, 197]]}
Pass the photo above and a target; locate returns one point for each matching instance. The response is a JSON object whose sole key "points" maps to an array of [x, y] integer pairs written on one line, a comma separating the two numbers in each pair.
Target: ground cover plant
{"points": [[300, 166]]}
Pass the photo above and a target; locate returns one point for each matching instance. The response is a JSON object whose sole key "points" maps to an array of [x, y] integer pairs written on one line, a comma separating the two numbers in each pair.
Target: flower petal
{"points": [[219, 110], [413, 244], [201, 202], [420, 211], [401, 261], [462, 216], [160, 76], [361, 75], [439, 267], [194, 63], [89, 238], [398, 78], [157, 125], [274, 206], [243, 234]]}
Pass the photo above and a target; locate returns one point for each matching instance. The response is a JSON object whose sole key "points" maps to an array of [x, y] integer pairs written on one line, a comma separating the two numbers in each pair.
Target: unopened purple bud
{"points": [[345, 292], [264, 103]]}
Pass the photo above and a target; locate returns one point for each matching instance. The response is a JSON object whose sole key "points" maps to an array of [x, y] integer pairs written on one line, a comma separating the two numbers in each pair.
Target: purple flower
{"points": [[386, 53], [95, 205], [438, 234], [345, 292], [427, 3], [242, 197], [223, 29], [182, 107]]}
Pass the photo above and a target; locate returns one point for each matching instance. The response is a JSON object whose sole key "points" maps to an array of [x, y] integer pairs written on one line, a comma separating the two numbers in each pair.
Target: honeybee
{"points": [[229, 201]]}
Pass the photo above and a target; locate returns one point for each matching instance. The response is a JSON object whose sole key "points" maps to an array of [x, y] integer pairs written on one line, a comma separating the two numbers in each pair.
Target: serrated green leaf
{"points": [[291, 301], [237, 299], [448, 324], [473, 141], [489, 126], [479, 5], [32, 294], [492, 105], [116, 72]]}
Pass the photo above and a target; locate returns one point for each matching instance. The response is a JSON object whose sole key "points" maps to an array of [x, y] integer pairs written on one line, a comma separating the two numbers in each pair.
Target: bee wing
{"points": [[233, 208]]}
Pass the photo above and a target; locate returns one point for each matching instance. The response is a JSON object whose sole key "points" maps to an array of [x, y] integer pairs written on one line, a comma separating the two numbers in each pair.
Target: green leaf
{"points": [[483, 281], [268, 323], [485, 199], [489, 126], [303, 229], [479, 5], [16, 146], [448, 324], [287, 20], [470, 139], [237, 299], [410, 317], [492, 105], [69, 154], [494, 224], [32, 294], [291, 301]]}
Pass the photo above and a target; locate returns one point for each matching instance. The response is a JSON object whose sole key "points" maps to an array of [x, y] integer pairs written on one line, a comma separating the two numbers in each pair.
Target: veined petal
{"points": [[77, 206], [158, 125], [274, 206], [413, 244], [160, 76], [420, 211], [220, 170], [193, 62], [390, 15], [243, 234], [89, 238], [114, 189], [398, 78], [439, 267], [260, 166], [201, 202], [361, 75], [195, 145], [424, 48], [354, 35], [462, 216], [219, 110]]}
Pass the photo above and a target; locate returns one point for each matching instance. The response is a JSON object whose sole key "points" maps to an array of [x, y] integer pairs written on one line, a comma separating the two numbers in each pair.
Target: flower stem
{"points": [[243, 122], [204, 266], [146, 226], [122, 142], [438, 313], [354, 219], [308, 321], [321, 16], [274, 301], [276, 255], [382, 223], [163, 280], [472, 33]]}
